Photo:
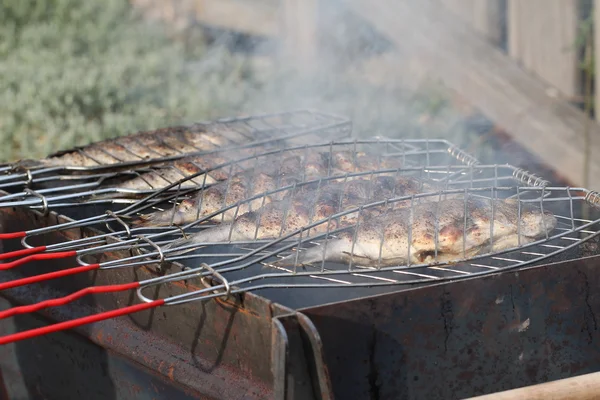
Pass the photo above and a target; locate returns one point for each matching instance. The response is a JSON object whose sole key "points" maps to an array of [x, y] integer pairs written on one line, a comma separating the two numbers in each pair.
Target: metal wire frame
{"points": [[242, 268], [250, 257], [447, 177], [248, 266], [229, 268], [254, 130], [414, 152]]}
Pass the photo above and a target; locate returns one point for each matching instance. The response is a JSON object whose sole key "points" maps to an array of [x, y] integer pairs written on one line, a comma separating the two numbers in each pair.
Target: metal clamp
{"points": [[29, 178], [156, 247], [45, 209], [216, 274], [183, 233], [119, 220]]}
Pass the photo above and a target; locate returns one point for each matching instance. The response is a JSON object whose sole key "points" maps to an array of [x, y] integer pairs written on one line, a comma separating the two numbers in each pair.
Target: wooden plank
{"points": [[482, 15], [252, 17], [298, 32], [541, 36], [447, 50], [583, 387]]}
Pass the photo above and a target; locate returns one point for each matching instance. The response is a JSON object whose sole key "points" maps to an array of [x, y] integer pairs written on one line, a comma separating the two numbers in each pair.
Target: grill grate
{"points": [[254, 263]]}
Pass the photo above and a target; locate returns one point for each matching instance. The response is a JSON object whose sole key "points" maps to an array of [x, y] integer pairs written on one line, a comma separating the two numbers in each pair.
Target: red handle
{"points": [[61, 326], [12, 235], [38, 257], [61, 301], [47, 276], [24, 252]]}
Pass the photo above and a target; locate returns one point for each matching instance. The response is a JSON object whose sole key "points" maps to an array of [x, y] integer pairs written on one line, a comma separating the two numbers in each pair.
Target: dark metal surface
{"points": [[67, 366], [213, 349], [466, 338], [299, 370]]}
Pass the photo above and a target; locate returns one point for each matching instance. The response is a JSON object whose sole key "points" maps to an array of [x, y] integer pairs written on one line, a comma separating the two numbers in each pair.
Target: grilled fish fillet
{"points": [[402, 236], [306, 207], [149, 144], [272, 174]]}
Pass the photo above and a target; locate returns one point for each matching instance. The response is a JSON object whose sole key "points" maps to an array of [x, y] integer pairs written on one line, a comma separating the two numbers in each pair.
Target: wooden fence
{"points": [[538, 34]]}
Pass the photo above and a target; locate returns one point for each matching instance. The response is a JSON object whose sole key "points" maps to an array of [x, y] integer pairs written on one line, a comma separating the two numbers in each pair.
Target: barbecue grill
{"points": [[239, 326]]}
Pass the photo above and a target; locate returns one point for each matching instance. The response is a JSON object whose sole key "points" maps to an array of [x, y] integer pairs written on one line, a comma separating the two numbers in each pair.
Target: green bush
{"points": [[75, 71]]}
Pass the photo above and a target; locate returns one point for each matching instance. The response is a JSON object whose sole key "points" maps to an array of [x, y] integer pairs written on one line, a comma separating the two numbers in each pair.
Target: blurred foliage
{"points": [[75, 71]]}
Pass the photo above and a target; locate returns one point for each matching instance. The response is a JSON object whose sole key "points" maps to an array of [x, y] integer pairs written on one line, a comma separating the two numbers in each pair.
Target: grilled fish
{"points": [[272, 174], [147, 145], [164, 175], [314, 165], [304, 208], [401, 236]]}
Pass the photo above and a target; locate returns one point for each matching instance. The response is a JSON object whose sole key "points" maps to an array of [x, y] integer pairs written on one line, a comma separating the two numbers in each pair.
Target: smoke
{"points": [[350, 75]]}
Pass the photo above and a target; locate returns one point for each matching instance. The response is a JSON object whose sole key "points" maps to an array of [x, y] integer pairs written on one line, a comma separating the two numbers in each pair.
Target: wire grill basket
{"points": [[257, 262]]}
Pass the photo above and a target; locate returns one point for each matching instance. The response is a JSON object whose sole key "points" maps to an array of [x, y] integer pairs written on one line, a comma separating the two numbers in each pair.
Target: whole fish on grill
{"points": [[432, 232], [148, 145], [314, 165], [306, 207], [164, 175], [272, 174]]}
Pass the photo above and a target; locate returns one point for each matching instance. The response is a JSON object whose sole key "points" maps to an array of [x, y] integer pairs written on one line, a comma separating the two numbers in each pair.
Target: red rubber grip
{"points": [[24, 252], [61, 301], [38, 257], [61, 326], [12, 235], [46, 277]]}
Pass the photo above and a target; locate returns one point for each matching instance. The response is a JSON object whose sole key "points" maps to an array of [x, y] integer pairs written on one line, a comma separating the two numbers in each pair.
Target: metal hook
{"points": [[29, 178], [157, 248], [119, 220], [45, 209], [217, 275]]}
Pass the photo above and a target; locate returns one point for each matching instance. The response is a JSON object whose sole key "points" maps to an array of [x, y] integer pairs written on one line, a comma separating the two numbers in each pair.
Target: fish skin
{"points": [[164, 175], [304, 208], [390, 234], [145, 145], [274, 172]]}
